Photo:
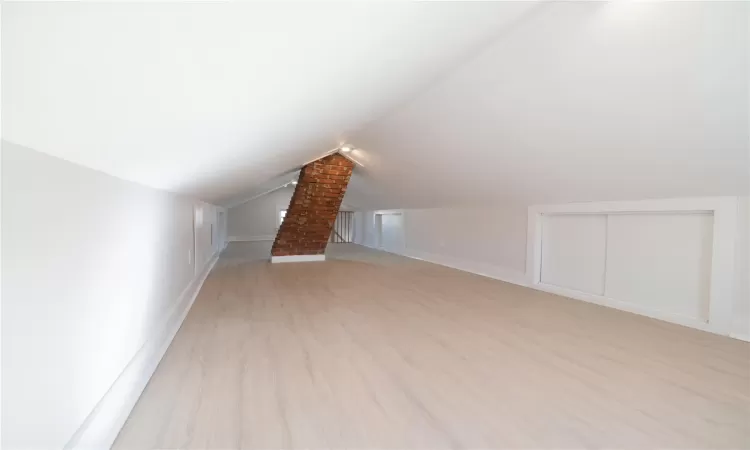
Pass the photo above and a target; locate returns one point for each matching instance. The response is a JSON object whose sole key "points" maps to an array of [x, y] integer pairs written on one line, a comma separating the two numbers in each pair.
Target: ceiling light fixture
{"points": [[346, 149]]}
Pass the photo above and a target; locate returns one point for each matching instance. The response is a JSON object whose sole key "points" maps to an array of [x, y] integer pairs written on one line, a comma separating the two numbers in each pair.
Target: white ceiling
{"points": [[449, 102], [212, 99], [579, 102]]}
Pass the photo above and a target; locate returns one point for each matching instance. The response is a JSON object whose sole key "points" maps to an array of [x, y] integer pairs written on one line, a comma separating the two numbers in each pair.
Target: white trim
{"points": [[624, 306], [520, 278], [102, 425], [740, 336], [264, 237], [724, 210], [249, 199], [297, 258], [379, 230], [486, 270], [388, 211], [331, 152], [483, 269]]}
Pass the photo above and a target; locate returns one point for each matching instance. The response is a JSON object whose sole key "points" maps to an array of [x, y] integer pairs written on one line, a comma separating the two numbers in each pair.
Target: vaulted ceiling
{"points": [[447, 102]]}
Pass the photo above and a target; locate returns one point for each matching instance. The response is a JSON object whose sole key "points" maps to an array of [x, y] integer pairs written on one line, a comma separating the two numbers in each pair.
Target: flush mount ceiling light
{"points": [[346, 149], [294, 182]]}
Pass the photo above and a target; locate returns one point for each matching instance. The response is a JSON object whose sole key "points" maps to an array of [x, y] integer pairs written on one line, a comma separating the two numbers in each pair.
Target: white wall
{"points": [[93, 268], [741, 323], [258, 218], [208, 234], [486, 240]]}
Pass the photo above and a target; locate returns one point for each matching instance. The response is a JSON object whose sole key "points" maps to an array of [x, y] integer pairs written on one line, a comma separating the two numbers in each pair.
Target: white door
{"points": [[661, 261], [658, 263], [573, 251], [392, 232]]}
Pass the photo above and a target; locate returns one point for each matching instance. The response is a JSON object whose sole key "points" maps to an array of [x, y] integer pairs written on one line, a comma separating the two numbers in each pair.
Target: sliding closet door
{"points": [[661, 262], [573, 251]]}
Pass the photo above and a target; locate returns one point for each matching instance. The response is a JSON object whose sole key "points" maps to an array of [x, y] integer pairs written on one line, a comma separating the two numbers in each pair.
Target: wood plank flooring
{"points": [[371, 350]]}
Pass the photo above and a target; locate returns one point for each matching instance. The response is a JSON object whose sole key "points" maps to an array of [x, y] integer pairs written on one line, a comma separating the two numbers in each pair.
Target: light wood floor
{"points": [[371, 350]]}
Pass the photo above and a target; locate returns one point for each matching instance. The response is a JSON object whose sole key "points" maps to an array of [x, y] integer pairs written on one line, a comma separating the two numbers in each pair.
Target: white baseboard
{"points": [[741, 336], [521, 279], [740, 325], [483, 269], [267, 237], [102, 425], [627, 306], [297, 258]]}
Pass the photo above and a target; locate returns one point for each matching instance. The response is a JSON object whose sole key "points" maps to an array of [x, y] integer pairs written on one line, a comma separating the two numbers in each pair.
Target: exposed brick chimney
{"points": [[309, 220]]}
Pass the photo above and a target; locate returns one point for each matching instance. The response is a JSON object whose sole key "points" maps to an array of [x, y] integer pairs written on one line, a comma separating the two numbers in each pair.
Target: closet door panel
{"points": [[660, 261], [573, 251]]}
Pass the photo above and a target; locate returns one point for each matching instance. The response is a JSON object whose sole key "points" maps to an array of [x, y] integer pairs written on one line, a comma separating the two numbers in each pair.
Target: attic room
{"points": [[381, 225]]}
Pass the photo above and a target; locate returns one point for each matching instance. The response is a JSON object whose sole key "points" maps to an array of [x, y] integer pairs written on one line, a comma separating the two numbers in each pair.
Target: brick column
{"points": [[312, 211]]}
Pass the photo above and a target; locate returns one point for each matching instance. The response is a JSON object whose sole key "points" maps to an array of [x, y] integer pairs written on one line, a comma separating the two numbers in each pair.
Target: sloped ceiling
{"points": [[579, 102], [447, 102], [212, 99]]}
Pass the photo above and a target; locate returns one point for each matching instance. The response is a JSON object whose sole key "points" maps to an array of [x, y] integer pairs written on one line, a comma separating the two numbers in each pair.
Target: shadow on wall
{"points": [[94, 266]]}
